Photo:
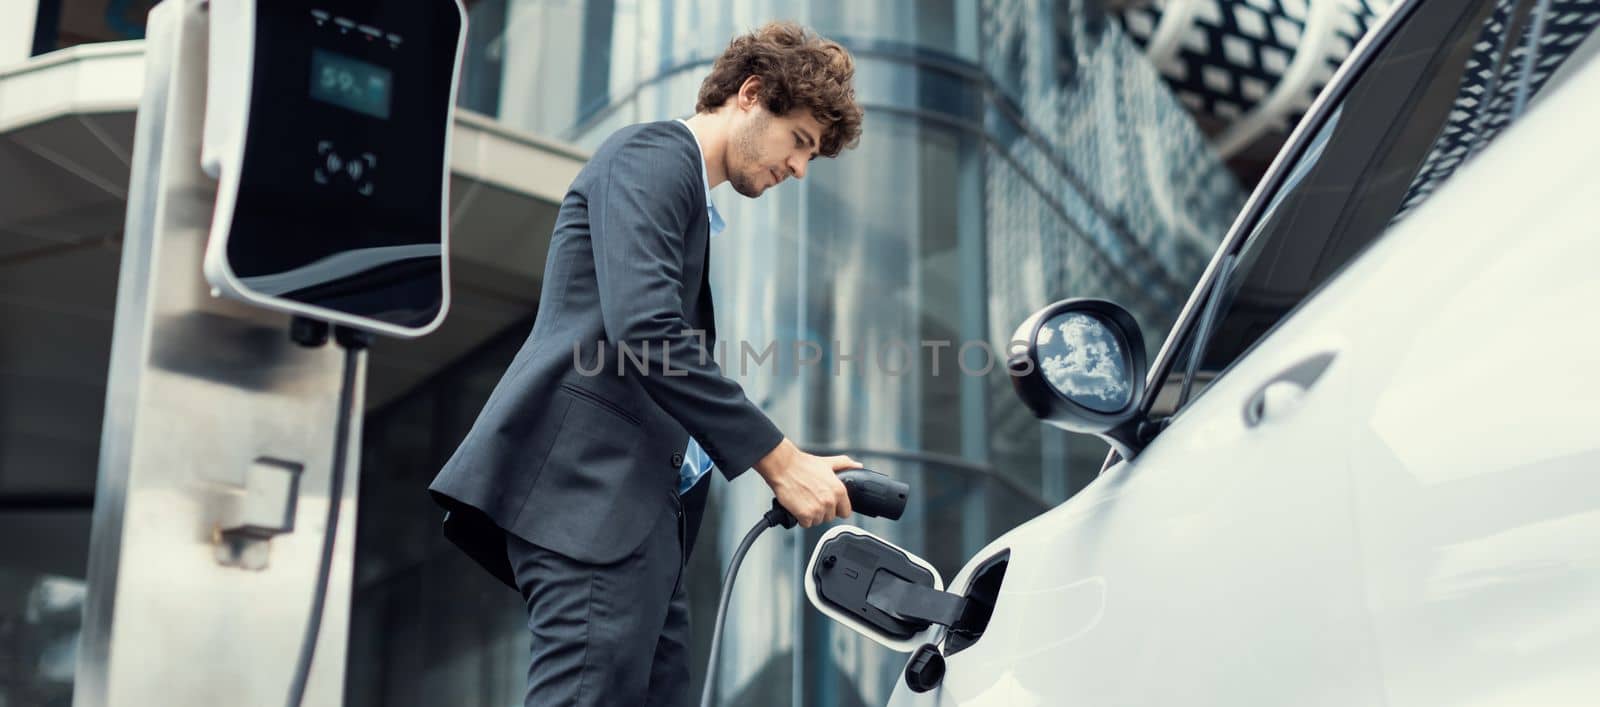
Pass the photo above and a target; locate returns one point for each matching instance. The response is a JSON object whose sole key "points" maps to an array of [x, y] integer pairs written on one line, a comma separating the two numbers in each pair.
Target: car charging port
{"points": [[855, 567], [897, 599]]}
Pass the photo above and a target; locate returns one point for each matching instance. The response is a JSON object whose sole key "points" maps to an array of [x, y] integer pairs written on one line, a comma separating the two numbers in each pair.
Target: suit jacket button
{"points": [[677, 459]]}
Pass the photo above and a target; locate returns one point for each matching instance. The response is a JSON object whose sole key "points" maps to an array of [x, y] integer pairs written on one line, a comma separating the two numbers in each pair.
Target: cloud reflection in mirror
{"points": [[1083, 360]]}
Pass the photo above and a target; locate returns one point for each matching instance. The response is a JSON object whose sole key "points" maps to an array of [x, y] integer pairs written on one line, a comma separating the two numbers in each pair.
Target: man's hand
{"points": [[805, 484]]}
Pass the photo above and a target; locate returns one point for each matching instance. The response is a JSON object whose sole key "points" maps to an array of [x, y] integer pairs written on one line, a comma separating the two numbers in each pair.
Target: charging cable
{"points": [[776, 516], [871, 494], [312, 334]]}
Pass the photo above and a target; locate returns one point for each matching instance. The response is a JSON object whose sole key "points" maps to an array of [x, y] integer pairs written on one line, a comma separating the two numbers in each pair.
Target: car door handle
{"points": [[1283, 393]]}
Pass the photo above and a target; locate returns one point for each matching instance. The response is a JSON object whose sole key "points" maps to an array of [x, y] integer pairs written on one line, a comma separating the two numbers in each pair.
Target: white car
{"points": [[1364, 468]]}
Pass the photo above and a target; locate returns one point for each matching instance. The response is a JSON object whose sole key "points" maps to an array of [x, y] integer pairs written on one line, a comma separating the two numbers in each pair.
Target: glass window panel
{"points": [[482, 69], [42, 592], [1441, 89], [427, 625], [68, 23], [924, 24]]}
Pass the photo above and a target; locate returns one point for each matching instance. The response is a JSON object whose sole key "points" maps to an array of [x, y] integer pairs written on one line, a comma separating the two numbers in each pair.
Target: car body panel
{"points": [[1420, 527], [1477, 443]]}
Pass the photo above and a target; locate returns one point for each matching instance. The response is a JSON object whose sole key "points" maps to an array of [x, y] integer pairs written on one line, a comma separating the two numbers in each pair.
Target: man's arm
{"points": [[639, 209]]}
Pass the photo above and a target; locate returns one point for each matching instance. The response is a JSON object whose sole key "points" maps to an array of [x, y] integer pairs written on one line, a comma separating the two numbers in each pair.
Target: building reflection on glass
{"points": [[1015, 153]]}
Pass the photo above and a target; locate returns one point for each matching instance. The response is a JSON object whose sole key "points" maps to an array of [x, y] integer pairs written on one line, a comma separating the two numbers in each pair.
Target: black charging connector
{"points": [[352, 339], [871, 494], [308, 332]]}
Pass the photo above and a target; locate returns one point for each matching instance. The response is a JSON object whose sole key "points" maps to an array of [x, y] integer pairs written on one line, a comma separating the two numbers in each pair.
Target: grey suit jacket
{"points": [[580, 463]]}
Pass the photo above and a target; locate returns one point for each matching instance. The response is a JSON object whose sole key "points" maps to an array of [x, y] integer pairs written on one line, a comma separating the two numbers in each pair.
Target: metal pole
{"points": [[218, 436]]}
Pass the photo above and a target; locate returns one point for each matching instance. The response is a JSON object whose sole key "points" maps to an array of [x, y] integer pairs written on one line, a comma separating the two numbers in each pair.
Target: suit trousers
{"points": [[611, 634]]}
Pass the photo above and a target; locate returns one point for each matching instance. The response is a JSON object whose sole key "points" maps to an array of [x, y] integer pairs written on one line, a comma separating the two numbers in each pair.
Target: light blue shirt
{"points": [[696, 463]]}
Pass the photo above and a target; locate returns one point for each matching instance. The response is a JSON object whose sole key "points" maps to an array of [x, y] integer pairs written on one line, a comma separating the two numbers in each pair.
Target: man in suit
{"points": [[582, 482]]}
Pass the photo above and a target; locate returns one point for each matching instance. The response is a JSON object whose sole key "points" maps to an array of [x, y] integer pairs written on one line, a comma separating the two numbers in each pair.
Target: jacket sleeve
{"points": [[640, 207]]}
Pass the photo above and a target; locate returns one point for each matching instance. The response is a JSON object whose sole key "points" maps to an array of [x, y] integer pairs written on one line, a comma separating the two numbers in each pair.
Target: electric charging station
{"points": [[289, 172], [327, 127]]}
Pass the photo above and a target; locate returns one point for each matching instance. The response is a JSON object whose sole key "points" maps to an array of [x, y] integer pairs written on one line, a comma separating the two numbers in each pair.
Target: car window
{"points": [[1444, 84]]}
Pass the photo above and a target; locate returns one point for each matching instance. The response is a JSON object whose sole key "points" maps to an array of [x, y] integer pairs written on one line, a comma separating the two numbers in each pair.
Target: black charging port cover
{"points": [[848, 564]]}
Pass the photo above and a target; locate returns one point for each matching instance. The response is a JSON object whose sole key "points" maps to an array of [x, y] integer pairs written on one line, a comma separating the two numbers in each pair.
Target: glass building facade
{"points": [[1014, 153]]}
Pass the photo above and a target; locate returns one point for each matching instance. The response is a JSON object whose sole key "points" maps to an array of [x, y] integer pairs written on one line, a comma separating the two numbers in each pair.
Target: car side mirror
{"points": [[1079, 364]]}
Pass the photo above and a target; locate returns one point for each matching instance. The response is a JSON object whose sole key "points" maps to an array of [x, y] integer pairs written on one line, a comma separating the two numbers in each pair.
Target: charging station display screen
{"points": [[341, 196], [352, 83]]}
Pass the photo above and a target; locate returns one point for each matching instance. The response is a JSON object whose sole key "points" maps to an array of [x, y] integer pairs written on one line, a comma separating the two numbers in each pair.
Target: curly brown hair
{"points": [[798, 69]]}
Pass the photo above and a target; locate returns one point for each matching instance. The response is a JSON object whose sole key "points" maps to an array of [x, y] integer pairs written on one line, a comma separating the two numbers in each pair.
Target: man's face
{"points": [[765, 149]]}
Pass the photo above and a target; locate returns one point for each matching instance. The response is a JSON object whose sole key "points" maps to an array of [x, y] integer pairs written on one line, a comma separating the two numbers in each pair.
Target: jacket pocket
{"points": [[593, 501], [596, 399]]}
